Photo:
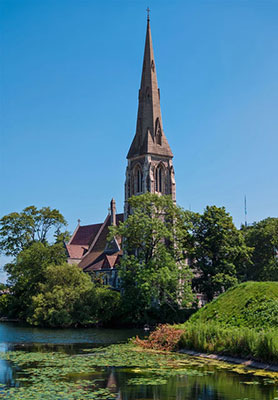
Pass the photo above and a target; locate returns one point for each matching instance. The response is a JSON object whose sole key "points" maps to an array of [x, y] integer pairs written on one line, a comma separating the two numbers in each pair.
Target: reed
{"points": [[261, 345]]}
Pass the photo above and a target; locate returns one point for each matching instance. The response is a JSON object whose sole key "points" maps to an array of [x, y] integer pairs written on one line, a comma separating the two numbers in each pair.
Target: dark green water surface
{"points": [[84, 364]]}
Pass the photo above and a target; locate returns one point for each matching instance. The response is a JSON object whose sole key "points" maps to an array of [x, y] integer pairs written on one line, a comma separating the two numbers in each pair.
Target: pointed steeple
{"points": [[149, 137]]}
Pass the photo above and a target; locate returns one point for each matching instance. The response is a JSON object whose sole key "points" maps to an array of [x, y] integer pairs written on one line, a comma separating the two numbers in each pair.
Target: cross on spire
{"points": [[148, 13]]}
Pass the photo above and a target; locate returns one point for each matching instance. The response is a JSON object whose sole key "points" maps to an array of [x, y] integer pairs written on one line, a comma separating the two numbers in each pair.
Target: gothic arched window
{"points": [[138, 180], [159, 179]]}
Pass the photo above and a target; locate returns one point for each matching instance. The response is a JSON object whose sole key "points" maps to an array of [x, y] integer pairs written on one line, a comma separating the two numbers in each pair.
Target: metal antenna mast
{"points": [[245, 210]]}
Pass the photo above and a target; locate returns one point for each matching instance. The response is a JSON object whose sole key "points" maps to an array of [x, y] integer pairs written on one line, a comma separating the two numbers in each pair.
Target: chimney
{"points": [[113, 212]]}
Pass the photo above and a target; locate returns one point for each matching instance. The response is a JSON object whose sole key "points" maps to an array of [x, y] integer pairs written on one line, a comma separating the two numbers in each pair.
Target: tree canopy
{"points": [[19, 230], [154, 272], [262, 236], [220, 255], [69, 298], [26, 273]]}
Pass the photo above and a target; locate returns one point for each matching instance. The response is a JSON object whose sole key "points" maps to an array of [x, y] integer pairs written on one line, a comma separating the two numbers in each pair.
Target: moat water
{"points": [[206, 381]]}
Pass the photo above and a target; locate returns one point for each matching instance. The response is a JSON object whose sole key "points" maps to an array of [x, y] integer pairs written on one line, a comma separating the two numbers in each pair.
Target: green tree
{"points": [[220, 254], [263, 238], [19, 230], [26, 273], [69, 298], [153, 271]]}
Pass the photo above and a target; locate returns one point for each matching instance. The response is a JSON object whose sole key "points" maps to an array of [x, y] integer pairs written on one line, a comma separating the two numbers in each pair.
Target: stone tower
{"points": [[150, 166]]}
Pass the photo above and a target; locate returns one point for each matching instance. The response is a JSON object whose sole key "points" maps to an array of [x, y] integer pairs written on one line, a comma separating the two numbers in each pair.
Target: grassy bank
{"points": [[250, 304], [243, 322], [261, 345]]}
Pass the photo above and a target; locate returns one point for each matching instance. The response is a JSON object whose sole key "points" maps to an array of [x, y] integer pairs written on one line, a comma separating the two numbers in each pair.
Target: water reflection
{"points": [[15, 333], [218, 384]]}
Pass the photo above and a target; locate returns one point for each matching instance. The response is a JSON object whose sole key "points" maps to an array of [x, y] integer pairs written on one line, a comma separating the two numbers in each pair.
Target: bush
{"points": [[69, 298], [165, 337]]}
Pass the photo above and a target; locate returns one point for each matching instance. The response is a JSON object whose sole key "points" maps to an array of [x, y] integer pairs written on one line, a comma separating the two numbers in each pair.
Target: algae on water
{"points": [[60, 376]]}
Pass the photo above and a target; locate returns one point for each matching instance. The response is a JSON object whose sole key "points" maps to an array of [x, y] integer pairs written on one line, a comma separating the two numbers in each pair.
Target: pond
{"points": [[97, 364]]}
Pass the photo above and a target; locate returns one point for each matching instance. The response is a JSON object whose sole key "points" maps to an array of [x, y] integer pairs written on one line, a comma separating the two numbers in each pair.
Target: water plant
{"points": [[61, 376]]}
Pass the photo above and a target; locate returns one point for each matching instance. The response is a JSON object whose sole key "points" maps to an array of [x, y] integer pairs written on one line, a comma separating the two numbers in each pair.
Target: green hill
{"points": [[252, 304]]}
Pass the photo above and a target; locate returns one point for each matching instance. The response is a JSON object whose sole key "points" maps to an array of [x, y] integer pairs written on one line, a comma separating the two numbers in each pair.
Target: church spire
{"points": [[149, 137], [150, 166]]}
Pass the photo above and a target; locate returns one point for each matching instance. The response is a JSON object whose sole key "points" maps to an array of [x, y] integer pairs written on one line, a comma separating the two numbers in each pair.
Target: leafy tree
{"points": [[220, 254], [26, 273], [153, 271], [263, 238], [19, 230], [68, 297]]}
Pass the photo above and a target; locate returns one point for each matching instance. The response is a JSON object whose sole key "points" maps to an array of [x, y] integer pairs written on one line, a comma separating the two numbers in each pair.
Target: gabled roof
{"points": [[104, 262], [76, 251], [81, 239], [85, 234], [99, 245]]}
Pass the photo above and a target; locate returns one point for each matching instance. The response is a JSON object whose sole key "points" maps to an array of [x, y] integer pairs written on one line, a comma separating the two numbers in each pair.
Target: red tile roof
{"points": [[84, 235], [97, 248], [103, 262], [76, 251]]}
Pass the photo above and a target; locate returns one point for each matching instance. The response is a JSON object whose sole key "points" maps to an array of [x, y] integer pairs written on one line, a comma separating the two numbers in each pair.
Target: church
{"points": [[149, 169]]}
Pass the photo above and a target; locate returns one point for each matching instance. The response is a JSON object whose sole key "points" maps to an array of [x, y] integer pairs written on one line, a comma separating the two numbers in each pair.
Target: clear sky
{"points": [[70, 74]]}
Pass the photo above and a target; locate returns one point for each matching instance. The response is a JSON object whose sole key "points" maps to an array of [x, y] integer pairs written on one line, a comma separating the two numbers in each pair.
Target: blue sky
{"points": [[70, 74]]}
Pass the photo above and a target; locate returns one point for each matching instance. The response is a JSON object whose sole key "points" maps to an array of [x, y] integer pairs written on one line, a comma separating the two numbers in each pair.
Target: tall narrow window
{"points": [[138, 180], [158, 179], [158, 133], [159, 136]]}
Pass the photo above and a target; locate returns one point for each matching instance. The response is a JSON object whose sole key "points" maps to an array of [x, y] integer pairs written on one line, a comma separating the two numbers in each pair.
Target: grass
{"points": [[250, 304], [242, 322], [233, 341]]}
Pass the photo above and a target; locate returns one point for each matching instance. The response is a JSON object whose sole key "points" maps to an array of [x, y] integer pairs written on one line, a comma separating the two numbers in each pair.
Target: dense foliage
{"points": [[220, 255], [69, 298], [43, 288], [250, 304], [166, 250], [26, 273], [263, 238], [154, 273]]}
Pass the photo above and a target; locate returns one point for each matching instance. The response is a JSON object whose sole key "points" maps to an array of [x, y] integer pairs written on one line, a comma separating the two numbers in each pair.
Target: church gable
{"points": [[101, 245], [80, 241]]}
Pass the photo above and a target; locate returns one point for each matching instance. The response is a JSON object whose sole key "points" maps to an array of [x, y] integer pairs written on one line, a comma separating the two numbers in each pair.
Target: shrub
{"points": [[165, 337], [69, 298]]}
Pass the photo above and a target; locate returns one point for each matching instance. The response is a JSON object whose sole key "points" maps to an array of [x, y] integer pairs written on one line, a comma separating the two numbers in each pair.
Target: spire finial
{"points": [[148, 14]]}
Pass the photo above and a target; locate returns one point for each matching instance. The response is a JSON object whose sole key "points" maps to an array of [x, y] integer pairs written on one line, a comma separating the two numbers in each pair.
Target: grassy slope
{"points": [[252, 304]]}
